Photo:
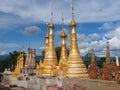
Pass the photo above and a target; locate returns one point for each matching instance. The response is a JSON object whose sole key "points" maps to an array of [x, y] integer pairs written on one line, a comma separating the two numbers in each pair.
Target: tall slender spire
{"points": [[92, 56], [51, 23], [73, 23], [75, 66], [117, 60], [63, 55], [62, 22], [63, 34], [107, 61]]}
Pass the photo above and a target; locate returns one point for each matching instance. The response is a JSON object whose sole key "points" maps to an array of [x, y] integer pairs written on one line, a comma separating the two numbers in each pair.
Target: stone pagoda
{"points": [[93, 69], [110, 69], [30, 62]]}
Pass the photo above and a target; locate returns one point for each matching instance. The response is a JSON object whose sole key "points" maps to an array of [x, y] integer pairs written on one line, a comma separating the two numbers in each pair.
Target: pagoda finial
{"points": [[72, 10], [63, 34], [51, 16], [73, 23], [62, 22], [51, 23]]}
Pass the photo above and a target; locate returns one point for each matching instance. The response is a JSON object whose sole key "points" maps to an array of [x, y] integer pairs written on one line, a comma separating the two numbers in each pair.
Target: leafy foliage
{"points": [[101, 61], [10, 62], [87, 59]]}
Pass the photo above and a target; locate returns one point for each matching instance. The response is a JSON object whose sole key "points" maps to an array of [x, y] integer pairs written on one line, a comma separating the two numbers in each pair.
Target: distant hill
{"points": [[38, 58], [98, 58], [3, 57]]}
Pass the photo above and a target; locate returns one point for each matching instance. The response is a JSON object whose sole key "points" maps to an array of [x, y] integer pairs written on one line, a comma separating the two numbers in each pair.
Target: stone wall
{"points": [[56, 83]]}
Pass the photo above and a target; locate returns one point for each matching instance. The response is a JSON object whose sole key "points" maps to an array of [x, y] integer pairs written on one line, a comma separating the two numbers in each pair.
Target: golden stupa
{"points": [[46, 47], [20, 65], [63, 55], [50, 59], [75, 66]]}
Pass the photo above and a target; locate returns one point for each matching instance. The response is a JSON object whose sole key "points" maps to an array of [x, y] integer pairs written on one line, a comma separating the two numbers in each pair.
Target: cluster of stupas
{"points": [[71, 66], [110, 70]]}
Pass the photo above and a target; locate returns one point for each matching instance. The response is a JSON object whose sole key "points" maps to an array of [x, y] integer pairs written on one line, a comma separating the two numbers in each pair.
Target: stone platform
{"points": [[89, 84], [57, 83]]}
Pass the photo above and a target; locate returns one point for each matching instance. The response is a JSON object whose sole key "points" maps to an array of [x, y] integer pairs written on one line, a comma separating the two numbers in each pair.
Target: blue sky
{"points": [[24, 21]]}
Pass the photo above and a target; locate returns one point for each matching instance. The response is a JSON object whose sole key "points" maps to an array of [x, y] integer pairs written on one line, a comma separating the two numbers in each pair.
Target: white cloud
{"points": [[114, 38], [3, 53], [109, 26], [113, 33], [94, 36], [31, 30], [85, 10]]}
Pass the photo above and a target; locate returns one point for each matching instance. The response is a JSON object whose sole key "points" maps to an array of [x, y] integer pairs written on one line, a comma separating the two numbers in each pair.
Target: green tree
{"points": [[87, 59], [9, 62], [101, 61], [13, 59]]}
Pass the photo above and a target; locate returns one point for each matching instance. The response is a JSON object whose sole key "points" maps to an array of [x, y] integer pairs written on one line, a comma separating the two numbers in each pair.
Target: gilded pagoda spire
{"points": [[63, 55], [51, 59], [107, 61], [75, 66], [73, 23], [20, 64]]}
